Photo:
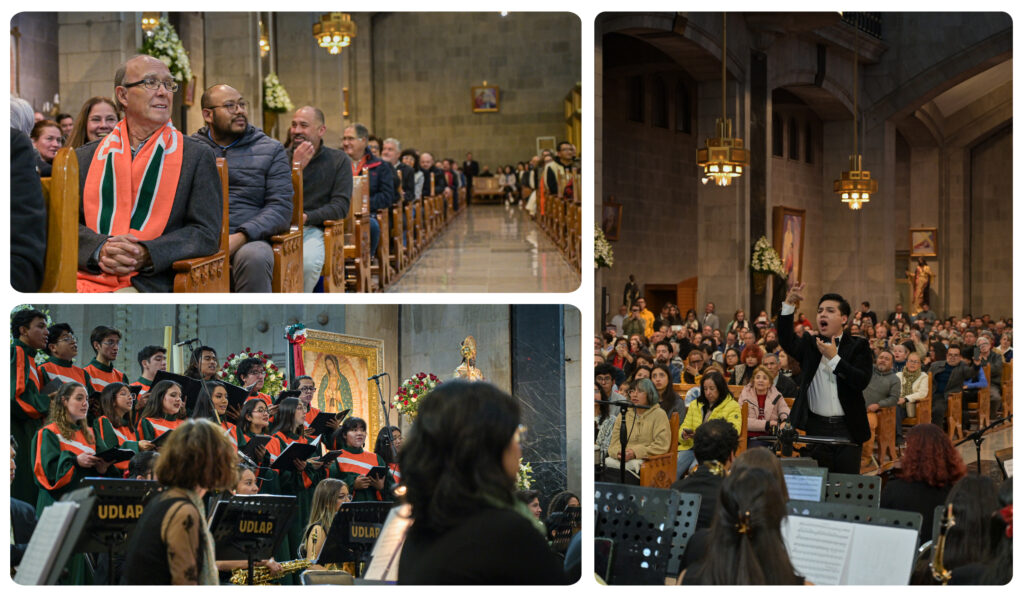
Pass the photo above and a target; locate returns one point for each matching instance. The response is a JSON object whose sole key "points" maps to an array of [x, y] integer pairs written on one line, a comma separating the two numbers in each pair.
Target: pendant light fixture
{"points": [[723, 157], [855, 186], [334, 31]]}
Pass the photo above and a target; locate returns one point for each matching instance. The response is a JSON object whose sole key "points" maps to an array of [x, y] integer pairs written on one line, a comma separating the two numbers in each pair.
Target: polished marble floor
{"points": [[490, 248]]}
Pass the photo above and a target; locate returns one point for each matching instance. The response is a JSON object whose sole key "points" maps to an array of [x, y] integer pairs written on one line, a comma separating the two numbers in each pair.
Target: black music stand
{"points": [[349, 539], [978, 437], [684, 525], [115, 512], [561, 527], [250, 527], [634, 518], [54, 539], [860, 490]]}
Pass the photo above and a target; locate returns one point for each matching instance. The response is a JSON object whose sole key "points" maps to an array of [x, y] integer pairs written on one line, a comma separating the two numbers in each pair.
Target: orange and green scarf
{"points": [[123, 195]]}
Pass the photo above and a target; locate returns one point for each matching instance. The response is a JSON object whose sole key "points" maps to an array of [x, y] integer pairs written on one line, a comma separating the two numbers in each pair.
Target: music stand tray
{"points": [[354, 532], [635, 519], [116, 511], [684, 525], [55, 537], [250, 527], [860, 490]]}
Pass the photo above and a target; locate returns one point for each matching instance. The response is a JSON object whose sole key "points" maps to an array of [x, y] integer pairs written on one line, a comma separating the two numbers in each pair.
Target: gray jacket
{"points": [[193, 227], [326, 186], [883, 389], [259, 183]]}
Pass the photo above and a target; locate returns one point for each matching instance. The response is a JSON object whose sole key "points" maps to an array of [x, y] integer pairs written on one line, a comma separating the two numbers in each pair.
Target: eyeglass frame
{"points": [[244, 105], [148, 80]]}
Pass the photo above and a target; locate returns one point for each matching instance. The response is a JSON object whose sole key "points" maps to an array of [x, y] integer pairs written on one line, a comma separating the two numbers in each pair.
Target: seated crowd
{"points": [[64, 417], [129, 241], [707, 373]]}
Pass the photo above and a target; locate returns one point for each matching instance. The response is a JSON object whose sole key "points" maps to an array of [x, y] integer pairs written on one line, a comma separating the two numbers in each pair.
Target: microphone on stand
{"points": [[373, 377]]}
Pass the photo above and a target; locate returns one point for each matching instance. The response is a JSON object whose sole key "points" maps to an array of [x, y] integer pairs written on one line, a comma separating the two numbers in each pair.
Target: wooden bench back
{"points": [[61, 195]]}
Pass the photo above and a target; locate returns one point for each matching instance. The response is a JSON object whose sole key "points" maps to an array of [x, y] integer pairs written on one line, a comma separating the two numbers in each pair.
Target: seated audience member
{"points": [[714, 402], [604, 423], [883, 391], [669, 400], [66, 122], [783, 383], [714, 445], [531, 497], [459, 505], [648, 431], [765, 405], [259, 186], [22, 117], [745, 544], [913, 386], [974, 382], [28, 215], [899, 356], [46, 138], [750, 358], [1005, 347], [381, 177], [23, 517], [928, 469], [412, 189], [326, 186], [730, 360], [171, 543], [129, 241], [98, 117], [62, 346], [663, 355], [986, 356], [949, 372]]}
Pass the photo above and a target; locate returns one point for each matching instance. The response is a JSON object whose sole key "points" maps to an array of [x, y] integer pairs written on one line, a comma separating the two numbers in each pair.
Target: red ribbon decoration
{"points": [[296, 343]]}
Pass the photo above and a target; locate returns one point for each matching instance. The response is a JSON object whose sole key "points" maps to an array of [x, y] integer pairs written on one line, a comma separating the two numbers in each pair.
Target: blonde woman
{"points": [[330, 494]]}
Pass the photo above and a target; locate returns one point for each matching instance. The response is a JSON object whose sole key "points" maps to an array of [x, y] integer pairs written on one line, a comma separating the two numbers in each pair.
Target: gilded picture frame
{"points": [[788, 240], [485, 98], [341, 366], [924, 242]]}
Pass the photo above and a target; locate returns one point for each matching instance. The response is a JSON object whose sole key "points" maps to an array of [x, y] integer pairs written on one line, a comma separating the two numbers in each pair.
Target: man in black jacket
{"points": [[837, 368], [28, 216]]}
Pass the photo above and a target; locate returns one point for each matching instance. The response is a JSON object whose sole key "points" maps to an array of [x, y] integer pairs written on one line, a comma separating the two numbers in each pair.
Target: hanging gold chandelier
{"points": [[149, 22], [334, 31], [264, 41], [723, 157], [855, 186]]}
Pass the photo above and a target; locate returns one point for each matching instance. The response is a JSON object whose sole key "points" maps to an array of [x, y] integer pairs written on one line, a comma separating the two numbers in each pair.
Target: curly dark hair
{"points": [[931, 458], [452, 458], [716, 439], [24, 318], [197, 454], [248, 365]]}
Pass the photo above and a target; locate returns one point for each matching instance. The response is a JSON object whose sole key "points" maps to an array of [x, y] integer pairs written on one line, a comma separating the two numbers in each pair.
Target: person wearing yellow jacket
{"points": [[648, 433], [714, 402]]}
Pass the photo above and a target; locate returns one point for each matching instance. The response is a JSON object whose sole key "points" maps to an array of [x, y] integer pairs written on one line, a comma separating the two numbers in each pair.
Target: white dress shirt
{"points": [[823, 393]]}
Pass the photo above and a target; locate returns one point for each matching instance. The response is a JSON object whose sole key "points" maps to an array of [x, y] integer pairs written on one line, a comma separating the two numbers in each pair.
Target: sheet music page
{"points": [[43, 546], [1008, 465], [819, 549], [388, 548], [881, 555], [803, 487]]}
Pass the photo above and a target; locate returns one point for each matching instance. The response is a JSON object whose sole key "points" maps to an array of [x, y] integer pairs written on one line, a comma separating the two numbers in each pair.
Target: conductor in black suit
{"points": [[837, 368]]}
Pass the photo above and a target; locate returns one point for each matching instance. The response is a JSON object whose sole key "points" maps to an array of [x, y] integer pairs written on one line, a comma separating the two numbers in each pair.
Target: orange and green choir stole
{"points": [[140, 204]]}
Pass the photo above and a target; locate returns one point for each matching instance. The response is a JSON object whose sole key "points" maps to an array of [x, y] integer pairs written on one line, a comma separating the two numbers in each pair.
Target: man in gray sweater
{"points": [[259, 186], [326, 186], [883, 391]]}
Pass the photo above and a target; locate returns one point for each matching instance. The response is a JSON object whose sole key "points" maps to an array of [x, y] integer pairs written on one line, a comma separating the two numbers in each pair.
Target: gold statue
{"points": [[467, 370]]}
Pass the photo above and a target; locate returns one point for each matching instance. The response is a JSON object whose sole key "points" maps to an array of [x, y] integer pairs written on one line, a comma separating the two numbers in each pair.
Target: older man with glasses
{"points": [[150, 195]]}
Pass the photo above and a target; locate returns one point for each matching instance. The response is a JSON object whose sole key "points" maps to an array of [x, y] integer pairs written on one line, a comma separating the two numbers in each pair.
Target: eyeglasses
{"points": [[345, 497], [260, 410], [520, 434], [307, 389], [69, 338], [111, 343], [239, 106], [153, 84]]}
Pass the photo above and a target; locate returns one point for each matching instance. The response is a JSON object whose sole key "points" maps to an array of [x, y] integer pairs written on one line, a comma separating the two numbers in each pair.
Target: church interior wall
{"points": [[991, 230], [91, 48], [37, 55]]}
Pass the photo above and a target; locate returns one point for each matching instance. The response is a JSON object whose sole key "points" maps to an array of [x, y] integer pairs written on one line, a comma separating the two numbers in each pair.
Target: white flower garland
{"points": [[765, 260], [165, 46], [275, 97], [603, 256]]}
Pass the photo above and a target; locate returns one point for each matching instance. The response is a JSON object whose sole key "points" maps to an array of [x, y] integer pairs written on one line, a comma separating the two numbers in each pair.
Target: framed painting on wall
{"points": [[485, 98], [924, 242], [340, 366], [611, 218], [788, 240]]}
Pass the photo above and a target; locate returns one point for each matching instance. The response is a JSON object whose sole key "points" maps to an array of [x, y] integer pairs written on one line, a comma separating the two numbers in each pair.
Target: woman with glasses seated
{"points": [[460, 462], [648, 434]]}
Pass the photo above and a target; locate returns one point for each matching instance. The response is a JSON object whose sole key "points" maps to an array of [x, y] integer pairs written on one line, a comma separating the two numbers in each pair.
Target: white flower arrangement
{"points": [[275, 97], [603, 256], [765, 260], [274, 381], [524, 478], [165, 46]]}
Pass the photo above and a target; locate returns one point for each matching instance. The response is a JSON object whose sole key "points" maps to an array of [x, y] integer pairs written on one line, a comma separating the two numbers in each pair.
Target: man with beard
{"points": [[431, 173], [354, 142], [259, 186], [326, 186], [837, 368]]}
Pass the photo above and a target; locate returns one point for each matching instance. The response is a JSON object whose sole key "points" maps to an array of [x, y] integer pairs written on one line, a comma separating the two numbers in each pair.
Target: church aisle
{"points": [[491, 248]]}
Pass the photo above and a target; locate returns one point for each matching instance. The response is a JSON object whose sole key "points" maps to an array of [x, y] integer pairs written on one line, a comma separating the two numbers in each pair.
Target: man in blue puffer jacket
{"points": [[259, 186]]}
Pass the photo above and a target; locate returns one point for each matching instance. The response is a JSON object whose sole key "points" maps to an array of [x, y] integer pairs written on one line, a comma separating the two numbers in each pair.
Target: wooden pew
{"points": [[1007, 381], [287, 246], [954, 416], [334, 239], [357, 238], [486, 189], [382, 268], [980, 409], [922, 408], [399, 256], [210, 273], [61, 194]]}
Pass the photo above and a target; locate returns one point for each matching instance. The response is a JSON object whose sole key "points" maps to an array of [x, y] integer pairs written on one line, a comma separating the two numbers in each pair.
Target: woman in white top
{"points": [[913, 384]]}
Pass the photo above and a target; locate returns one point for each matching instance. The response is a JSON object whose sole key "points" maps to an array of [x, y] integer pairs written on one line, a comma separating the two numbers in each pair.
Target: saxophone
{"points": [[939, 572], [261, 575]]}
